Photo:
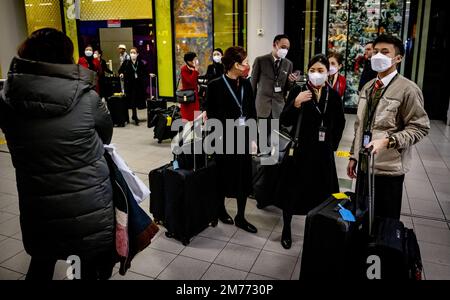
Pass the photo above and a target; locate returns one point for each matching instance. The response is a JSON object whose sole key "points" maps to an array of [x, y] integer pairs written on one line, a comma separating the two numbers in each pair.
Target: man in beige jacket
{"points": [[391, 118]]}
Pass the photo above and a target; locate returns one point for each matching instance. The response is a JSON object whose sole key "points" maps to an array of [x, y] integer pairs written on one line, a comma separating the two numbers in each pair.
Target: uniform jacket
{"points": [[400, 113], [263, 81]]}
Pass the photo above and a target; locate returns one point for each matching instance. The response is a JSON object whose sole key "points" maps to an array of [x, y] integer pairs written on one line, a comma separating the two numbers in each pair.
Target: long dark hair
{"points": [[47, 45], [233, 55]]}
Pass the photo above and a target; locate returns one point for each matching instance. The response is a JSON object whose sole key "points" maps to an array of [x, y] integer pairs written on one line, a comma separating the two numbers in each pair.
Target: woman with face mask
{"points": [[311, 177], [189, 81], [215, 70], [231, 98], [336, 80], [134, 72], [104, 69], [92, 64]]}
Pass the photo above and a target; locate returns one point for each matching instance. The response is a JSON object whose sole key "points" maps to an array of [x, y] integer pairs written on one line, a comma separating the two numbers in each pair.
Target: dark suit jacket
{"points": [[263, 81]]}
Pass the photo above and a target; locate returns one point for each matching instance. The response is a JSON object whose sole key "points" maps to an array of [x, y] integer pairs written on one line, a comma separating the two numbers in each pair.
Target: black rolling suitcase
{"points": [[157, 198], [332, 247], [394, 246], [112, 86], [163, 128], [397, 249], [191, 200], [154, 104], [118, 108]]}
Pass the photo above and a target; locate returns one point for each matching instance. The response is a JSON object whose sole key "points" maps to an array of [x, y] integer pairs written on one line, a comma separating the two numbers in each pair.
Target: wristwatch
{"points": [[392, 142]]}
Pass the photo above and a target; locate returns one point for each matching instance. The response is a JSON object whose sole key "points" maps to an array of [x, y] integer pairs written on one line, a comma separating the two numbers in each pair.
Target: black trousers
{"points": [[96, 268], [388, 196]]}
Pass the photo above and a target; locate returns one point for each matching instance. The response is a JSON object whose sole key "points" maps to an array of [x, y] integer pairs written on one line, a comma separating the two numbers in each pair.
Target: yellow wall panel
{"points": [[71, 26], [115, 9], [163, 23], [223, 24], [43, 13]]}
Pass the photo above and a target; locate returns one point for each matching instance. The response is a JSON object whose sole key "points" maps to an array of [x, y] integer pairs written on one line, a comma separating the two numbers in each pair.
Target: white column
{"points": [[13, 31], [266, 16]]}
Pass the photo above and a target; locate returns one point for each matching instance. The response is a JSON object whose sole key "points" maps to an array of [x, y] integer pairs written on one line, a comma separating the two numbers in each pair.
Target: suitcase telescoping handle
{"points": [[151, 86], [195, 123], [365, 185], [371, 182]]}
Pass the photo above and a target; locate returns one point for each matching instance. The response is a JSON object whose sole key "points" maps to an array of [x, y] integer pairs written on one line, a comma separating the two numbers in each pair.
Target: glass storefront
{"points": [[353, 23], [193, 31]]}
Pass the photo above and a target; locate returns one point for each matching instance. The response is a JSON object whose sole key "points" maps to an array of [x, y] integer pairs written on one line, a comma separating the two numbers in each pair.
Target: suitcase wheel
{"points": [[214, 223], [159, 141], [169, 235], [185, 242]]}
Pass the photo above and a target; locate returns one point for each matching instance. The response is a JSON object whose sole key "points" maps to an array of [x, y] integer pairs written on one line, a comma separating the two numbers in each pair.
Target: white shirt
{"points": [[387, 79]]}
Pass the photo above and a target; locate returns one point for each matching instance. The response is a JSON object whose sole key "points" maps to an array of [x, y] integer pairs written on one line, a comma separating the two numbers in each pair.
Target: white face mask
{"points": [[333, 70], [217, 58], [317, 79], [282, 53], [380, 62], [133, 56], [88, 53]]}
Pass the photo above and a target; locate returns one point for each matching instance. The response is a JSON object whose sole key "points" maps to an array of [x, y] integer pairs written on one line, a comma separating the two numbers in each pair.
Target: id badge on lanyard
{"points": [[367, 138], [277, 88], [242, 121], [322, 133]]}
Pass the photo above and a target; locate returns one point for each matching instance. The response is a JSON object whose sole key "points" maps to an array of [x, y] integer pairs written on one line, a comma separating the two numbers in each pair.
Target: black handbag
{"points": [[287, 144], [184, 96]]}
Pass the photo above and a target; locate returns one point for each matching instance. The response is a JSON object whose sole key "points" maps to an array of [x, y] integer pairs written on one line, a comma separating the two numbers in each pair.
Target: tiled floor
{"points": [[226, 252]]}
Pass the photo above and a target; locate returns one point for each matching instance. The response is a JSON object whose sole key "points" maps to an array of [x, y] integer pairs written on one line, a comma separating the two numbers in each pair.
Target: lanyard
{"points": [[234, 95], [322, 114], [135, 68], [370, 111]]}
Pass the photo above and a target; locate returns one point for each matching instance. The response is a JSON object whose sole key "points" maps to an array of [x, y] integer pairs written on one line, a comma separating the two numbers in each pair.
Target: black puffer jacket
{"points": [[55, 126]]}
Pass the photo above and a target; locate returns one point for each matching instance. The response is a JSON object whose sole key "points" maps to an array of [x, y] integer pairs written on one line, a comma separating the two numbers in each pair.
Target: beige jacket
{"points": [[400, 113]]}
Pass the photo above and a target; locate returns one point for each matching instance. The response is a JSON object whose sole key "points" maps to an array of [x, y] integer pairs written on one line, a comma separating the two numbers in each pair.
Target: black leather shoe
{"points": [[286, 240], [136, 121], [226, 218], [244, 225]]}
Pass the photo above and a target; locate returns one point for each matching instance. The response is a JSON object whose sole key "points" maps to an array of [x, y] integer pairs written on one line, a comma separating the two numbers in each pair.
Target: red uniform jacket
{"points": [[340, 85], [97, 69], [189, 82]]}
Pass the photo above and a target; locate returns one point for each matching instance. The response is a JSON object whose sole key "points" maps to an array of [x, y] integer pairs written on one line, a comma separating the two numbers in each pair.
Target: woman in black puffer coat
{"points": [[55, 126]]}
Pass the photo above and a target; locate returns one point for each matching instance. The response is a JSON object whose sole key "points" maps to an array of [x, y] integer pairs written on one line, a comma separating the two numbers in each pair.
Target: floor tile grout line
{"points": [[434, 243], [9, 269], [435, 263], [423, 217], [448, 140], [434, 191]]}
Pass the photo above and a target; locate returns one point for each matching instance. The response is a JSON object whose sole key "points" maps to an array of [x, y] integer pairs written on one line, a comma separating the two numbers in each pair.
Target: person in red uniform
{"points": [[189, 77], [336, 80], [89, 62]]}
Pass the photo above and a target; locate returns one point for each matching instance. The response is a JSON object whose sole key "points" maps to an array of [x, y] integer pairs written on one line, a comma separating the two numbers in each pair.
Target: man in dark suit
{"points": [[271, 79]]}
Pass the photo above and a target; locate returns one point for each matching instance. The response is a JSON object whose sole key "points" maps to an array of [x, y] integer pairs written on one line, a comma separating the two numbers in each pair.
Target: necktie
{"points": [[277, 65], [377, 89]]}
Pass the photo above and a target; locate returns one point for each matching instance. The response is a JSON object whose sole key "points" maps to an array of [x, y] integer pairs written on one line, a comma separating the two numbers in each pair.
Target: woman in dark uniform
{"points": [[230, 97], [215, 70], [311, 178]]}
